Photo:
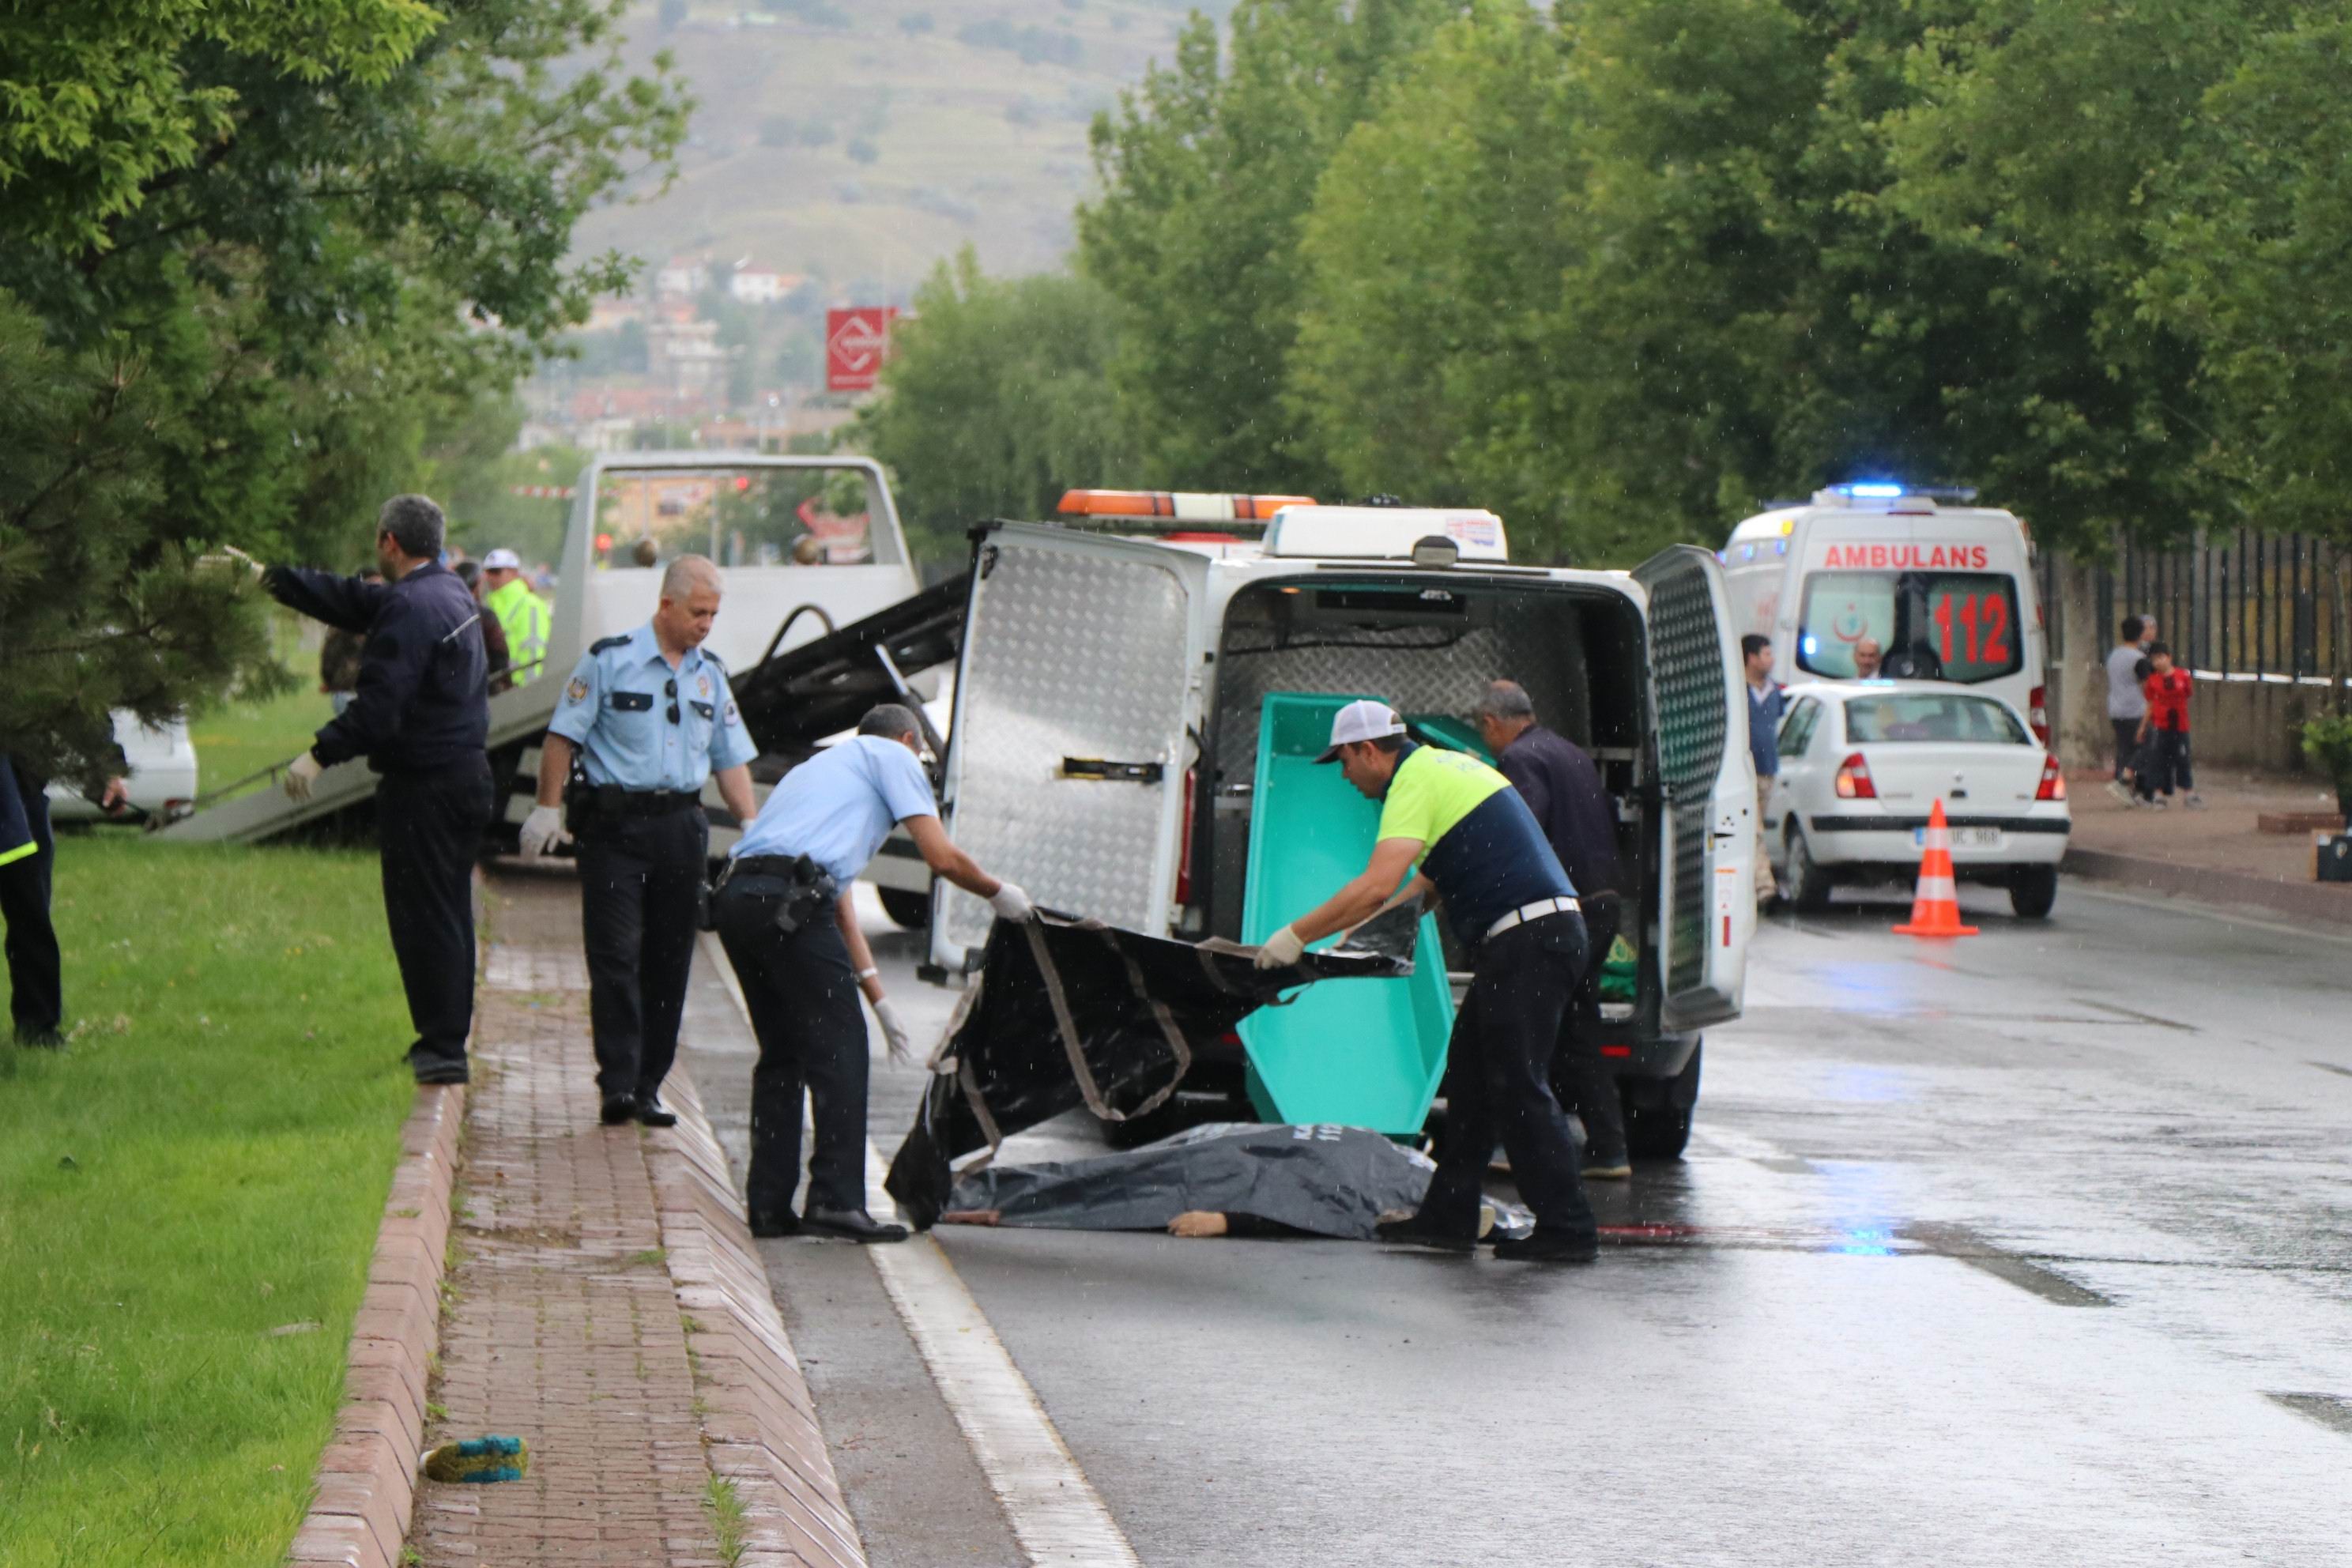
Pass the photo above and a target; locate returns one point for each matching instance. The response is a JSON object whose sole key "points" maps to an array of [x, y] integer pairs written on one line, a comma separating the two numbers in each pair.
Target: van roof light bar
{"points": [[1187, 507]]}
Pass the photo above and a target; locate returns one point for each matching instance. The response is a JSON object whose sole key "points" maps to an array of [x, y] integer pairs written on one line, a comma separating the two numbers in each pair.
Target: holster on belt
{"points": [[805, 891]]}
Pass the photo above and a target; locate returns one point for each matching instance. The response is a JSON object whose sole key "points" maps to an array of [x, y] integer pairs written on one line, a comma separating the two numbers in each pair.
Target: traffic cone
{"points": [[1935, 906]]}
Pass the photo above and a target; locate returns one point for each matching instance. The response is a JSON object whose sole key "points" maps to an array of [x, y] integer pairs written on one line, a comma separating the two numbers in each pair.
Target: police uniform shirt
{"points": [[642, 725], [837, 807]]}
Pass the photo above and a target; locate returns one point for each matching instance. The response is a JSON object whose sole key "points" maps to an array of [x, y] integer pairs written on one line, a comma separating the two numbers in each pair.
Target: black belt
{"points": [[766, 865], [650, 802]]}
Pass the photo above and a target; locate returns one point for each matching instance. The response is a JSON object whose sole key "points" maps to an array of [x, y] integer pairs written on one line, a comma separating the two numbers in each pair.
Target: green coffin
{"points": [[1355, 1052]]}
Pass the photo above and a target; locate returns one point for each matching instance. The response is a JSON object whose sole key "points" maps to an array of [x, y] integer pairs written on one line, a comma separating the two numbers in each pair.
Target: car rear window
{"points": [[1960, 626], [1898, 717]]}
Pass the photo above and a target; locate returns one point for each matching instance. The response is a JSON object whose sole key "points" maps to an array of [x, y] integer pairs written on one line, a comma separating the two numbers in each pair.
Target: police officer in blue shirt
{"points": [[784, 914], [649, 717]]}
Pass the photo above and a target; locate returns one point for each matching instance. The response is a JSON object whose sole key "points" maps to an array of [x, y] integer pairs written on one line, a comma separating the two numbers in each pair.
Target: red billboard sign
{"points": [[854, 342]]}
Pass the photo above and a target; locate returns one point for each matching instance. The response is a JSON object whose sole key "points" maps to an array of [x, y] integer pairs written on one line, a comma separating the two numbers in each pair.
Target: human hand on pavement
{"points": [[542, 830], [1281, 950], [895, 1038], [1011, 903], [301, 773]]}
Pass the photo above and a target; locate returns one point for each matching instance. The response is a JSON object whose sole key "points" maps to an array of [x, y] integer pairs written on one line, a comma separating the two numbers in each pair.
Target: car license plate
{"points": [[1963, 837]]}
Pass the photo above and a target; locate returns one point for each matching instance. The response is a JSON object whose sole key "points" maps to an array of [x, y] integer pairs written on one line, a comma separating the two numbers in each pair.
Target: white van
{"points": [[1108, 706], [1947, 591]]}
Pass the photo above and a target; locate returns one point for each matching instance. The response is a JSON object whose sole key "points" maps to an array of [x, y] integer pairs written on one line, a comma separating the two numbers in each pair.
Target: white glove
{"points": [[900, 1045], [1011, 903], [1281, 950], [301, 774], [542, 831]]}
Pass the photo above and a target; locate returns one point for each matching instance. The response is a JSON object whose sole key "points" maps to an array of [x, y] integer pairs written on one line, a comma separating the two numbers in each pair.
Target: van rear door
{"points": [[1080, 677], [1707, 901]]}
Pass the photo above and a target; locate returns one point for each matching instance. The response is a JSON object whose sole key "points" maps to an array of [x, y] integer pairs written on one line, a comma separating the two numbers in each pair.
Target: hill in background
{"points": [[858, 142]]}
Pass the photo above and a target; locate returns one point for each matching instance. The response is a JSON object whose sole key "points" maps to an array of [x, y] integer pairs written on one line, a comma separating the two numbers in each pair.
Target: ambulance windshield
{"points": [[1928, 626]]}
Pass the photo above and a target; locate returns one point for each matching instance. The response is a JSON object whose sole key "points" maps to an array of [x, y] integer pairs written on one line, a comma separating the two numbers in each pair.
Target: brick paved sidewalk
{"points": [[564, 1328], [2218, 853]]}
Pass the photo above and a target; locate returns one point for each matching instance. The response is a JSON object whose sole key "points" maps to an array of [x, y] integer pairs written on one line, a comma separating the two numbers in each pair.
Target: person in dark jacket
{"points": [[495, 650], [1563, 789], [420, 717], [27, 862]]}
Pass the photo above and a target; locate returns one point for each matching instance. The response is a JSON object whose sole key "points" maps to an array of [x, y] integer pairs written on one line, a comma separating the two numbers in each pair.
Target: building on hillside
{"points": [[610, 312], [687, 356], [756, 285], [681, 276]]}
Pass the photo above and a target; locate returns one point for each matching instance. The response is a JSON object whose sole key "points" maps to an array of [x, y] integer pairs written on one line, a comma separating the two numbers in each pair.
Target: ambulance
{"points": [[1945, 589], [1142, 687]]}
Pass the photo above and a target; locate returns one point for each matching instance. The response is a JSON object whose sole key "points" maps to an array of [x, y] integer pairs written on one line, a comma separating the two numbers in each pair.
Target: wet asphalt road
{"points": [[2033, 1248]]}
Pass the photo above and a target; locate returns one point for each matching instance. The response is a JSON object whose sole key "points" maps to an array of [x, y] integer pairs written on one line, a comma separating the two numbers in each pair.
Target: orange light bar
{"points": [[1193, 506]]}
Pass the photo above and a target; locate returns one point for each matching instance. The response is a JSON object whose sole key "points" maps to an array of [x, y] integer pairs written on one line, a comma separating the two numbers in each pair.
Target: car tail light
{"points": [[1184, 844], [1853, 780], [2054, 780], [2037, 712]]}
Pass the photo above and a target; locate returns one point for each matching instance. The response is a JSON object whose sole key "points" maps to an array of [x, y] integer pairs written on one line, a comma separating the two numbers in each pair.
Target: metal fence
{"points": [[2250, 606]]}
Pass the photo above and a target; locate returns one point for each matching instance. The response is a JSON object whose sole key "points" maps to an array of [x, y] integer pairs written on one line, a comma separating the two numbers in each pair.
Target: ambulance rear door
{"points": [[1706, 850], [1077, 695]]}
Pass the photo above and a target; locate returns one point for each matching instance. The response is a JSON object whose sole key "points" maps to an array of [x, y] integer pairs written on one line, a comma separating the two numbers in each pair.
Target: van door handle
{"points": [[1114, 773]]}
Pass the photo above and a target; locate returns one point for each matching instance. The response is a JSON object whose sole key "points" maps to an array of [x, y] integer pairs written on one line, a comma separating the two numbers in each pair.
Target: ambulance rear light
{"points": [[2054, 780], [1187, 506], [2037, 713], [1853, 780]]}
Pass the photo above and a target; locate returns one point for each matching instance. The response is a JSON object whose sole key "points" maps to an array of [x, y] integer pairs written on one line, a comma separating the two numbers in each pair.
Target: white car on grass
{"points": [[1863, 763]]}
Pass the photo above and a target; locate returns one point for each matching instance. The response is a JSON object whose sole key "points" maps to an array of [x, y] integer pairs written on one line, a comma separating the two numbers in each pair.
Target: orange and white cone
{"points": [[1935, 906]]}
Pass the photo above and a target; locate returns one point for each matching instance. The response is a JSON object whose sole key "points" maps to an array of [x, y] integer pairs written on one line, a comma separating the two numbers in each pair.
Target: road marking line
{"points": [[1055, 1512]]}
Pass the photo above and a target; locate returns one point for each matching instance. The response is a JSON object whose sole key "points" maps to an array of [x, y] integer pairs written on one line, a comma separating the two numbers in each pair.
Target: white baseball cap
{"points": [[1364, 721], [501, 559]]}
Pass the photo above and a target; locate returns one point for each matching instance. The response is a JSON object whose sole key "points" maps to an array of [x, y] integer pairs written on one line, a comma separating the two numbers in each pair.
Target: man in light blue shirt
{"points": [[649, 717], [786, 917]]}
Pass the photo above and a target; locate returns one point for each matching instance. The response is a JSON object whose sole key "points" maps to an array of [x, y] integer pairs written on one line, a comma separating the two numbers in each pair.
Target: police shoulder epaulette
{"points": [[713, 659], [603, 643]]}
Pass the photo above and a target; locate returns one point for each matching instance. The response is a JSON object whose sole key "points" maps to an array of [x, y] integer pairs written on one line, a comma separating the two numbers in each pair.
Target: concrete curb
{"points": [[2204, 885], [759, 1423], [366, 1490]]}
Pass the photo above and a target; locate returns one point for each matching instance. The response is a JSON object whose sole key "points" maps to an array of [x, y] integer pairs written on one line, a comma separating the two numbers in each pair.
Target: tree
{"points": [[1208, 170], [308, 235], [996, 397], [1432, 257]]}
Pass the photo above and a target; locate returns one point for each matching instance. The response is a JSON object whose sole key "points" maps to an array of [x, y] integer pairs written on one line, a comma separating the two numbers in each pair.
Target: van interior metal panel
{"points": [[1429, 647]]}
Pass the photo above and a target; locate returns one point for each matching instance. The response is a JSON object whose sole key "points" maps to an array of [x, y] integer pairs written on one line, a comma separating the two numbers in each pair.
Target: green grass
{"points": [[727, 1518], [207, 1161]]}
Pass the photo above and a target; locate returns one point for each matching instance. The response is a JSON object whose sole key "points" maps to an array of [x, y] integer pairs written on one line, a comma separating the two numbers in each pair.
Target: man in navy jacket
{"points": [[420, 717]]}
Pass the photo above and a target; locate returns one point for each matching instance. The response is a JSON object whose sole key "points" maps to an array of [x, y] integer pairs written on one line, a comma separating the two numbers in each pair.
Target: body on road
{"points": [[649, 718], [420, 715]]}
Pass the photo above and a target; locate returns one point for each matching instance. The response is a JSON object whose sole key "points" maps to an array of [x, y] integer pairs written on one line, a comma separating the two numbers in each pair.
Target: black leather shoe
{"points": [[783, 1222], [653, 1114], [41, 1039], [1411, 1232], [1541, 1248], [853, 1224], [441, 1072], [618, 1108]]}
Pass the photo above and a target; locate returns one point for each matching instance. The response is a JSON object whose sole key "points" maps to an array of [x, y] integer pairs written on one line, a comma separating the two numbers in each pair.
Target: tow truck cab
{"points": [[1107, 715]]}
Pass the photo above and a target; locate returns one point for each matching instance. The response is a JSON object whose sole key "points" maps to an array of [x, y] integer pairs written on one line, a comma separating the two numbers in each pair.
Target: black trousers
{"points": [[36, 992], [640, 905], [1580, 1078], [2164, 763], [1497, 1083], [429, 831], [802, 995], [2126, 746]]}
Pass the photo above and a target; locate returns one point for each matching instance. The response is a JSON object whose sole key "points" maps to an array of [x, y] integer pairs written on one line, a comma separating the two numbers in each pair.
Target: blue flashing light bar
{"points": [[1871, 490]]}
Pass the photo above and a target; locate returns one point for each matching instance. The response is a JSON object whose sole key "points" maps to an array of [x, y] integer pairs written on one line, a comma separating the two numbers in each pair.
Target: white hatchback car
{"points": [[1862, 765]]}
